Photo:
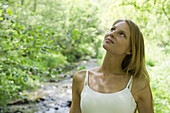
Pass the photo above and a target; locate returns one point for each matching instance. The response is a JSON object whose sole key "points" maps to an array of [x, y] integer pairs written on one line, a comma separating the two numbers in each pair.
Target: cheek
{"points": [[128, 45], [125, 44]]}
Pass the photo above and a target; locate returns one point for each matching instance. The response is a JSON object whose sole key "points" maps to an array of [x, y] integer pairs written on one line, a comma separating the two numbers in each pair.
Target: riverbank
{"points": [[52, 96]]}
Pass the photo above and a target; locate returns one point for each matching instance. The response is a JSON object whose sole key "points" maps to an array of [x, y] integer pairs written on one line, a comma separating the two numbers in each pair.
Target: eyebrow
{"points": [[123, 32], [120, 30]]}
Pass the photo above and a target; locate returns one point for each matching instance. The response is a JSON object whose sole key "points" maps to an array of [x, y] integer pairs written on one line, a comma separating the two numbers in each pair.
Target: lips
{"points": [[109, 40]]}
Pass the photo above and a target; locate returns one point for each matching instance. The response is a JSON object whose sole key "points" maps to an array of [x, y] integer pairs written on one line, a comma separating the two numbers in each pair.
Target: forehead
{"points": [[123, 26]]}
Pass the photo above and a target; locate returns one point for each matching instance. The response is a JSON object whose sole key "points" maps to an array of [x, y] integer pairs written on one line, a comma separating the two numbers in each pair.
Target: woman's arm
{"points": [[145, 101], [76, 86]]}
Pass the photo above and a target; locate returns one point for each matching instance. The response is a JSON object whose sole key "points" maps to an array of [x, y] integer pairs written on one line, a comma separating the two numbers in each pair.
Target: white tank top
{"points": [[118, 102]]}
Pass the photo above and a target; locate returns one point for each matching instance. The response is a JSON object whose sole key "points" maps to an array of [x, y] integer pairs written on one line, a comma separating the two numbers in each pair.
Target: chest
{"points": [[107, 84], [96, 98]]}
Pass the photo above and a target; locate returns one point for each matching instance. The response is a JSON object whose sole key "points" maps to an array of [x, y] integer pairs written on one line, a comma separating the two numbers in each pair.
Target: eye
{"points": [[112, 29], [122, 34]]}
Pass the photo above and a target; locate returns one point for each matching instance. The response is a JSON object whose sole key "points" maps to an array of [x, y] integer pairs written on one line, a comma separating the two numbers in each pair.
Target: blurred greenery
{"points": [[39, 38]]}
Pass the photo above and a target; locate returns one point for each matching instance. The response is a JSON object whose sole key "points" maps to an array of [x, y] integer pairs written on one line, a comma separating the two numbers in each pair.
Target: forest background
{"points": [[41, 38]]}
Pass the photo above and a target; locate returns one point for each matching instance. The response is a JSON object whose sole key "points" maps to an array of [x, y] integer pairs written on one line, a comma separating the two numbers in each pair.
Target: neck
{"points": [[112, 64]]}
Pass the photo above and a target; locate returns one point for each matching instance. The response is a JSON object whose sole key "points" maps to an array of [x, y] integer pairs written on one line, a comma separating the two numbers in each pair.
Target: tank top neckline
{"points": [[97, 102], [128, 86]]}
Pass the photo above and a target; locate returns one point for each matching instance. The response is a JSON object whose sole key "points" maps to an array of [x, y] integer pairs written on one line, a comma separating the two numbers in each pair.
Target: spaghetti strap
{"points": [[129, 83], [91, 99], [130, 86], [86, 78]]}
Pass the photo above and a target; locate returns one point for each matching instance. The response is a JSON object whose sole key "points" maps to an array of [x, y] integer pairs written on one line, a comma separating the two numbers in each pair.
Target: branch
{"points": [[163, 8]]}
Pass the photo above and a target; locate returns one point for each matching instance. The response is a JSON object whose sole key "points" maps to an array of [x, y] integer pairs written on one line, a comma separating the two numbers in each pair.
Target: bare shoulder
{"points": [[78, 80], [79, 75], [139, 85], [143, 95]]}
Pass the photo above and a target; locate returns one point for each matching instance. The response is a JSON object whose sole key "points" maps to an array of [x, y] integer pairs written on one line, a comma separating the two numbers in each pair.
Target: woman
{"points": [[121, 83]]}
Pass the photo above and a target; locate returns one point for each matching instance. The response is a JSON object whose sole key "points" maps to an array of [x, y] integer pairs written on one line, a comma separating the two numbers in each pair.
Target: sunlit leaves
{"points": [[9, 12], [1, 12], [1, 18], [75, 31], [17, 42], [31, 41]]}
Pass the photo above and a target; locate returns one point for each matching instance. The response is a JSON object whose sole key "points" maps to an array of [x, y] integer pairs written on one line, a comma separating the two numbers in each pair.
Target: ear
{"points": [[129, 52]]}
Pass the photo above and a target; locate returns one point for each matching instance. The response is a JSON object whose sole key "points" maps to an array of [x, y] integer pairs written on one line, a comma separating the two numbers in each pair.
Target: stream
{"points": [[51, 96]]}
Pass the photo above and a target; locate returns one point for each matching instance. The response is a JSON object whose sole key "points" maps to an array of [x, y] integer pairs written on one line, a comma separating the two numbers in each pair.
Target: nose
{"points": [[112, 34]]}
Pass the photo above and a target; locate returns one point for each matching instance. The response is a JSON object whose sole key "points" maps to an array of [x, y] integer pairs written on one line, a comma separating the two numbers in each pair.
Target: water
{"points": [[54, 97]]}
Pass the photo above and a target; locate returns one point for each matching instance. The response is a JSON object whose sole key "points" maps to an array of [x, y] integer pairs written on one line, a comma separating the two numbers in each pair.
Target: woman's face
{"points": [[117, 40]]}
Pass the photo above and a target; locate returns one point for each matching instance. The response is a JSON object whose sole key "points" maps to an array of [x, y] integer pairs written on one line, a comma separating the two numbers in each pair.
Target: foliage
{"points": [[33, 42], [19, 42], [79, 25], [48, 61], [39, 37], [70, 24]]}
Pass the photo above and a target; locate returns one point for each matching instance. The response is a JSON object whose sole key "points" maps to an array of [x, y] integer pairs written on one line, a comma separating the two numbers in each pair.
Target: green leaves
{"points": [[1, 18], [75, 31], [9, 12], [34, 45], [18, 43]]}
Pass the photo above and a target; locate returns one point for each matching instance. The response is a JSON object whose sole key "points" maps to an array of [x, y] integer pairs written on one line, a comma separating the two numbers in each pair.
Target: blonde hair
{"points": [[134, 64]]}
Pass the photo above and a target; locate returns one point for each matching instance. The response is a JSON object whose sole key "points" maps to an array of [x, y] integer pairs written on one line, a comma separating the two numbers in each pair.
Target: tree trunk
{"points": [[22, 2], [35, 5]]}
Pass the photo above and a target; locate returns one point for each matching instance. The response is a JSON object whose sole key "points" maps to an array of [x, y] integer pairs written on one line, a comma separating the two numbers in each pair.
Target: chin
{"points": [[108, 48], [104, 46]]}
